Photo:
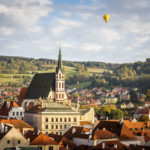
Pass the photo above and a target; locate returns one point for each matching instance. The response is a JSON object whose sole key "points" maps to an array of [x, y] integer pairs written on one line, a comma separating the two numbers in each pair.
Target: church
{"points": [[47, 86]]}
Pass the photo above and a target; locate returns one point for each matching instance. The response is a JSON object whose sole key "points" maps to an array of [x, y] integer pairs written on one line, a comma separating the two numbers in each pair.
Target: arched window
{"points": [[59, 76], [59, 84]]}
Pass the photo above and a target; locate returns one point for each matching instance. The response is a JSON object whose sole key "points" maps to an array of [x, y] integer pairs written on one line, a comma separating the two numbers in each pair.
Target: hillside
{"points": [[20, 70]]}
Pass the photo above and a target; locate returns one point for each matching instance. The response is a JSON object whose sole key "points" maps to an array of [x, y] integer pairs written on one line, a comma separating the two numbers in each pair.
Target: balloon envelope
{"points": [[106, 17]]}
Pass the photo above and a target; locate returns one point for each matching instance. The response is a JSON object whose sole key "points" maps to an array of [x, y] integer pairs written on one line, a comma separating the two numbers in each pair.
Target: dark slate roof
{"points": [[40, 86]]}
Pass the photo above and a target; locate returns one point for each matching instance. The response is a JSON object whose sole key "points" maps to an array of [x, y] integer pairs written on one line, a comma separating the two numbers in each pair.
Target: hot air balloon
{"points": [[106, 17]]}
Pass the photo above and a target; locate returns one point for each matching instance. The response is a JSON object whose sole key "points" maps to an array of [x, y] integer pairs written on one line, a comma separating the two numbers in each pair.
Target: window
{"points": [[20, 113], [62, 85], [50, 147], [56, 96], [60, 133], [65, 119], [59, 76], [19, 141], [13, 113], [59, 95], [63, 96], [8, 142], [65, 126], [17, 113], [60, 119], [52, 119], [56, 133], [69, 119], [59, 84], [46, 119], [75, 119], [52, 126], [46, 126], [60, 126], [56, 119], [56, 126]]}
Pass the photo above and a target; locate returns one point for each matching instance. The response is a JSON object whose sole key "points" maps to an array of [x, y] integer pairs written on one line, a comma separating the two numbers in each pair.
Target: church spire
{"points": [[59, 65]]}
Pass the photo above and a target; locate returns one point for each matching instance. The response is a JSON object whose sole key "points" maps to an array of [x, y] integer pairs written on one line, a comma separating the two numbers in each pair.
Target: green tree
{"points": [[143, 118]]}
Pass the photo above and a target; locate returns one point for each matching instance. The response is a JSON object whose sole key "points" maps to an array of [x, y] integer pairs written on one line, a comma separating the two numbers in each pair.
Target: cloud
{"points": [[90, 47], [35, 27], [25, 13], [6, 31]]}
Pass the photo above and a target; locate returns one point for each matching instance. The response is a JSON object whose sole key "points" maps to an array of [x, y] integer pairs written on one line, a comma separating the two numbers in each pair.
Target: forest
{"points": [[20, 70]]}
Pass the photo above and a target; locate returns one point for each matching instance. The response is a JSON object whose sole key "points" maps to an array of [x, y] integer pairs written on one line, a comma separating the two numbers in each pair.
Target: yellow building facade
{"points": [[54, 118]]}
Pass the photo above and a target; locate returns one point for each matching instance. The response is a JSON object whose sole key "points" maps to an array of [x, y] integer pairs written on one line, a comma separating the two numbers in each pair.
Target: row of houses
{"points": [[107, 135]]}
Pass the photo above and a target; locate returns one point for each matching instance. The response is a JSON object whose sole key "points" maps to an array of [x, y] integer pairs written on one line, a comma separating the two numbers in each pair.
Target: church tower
{"points": [[60, 94]]}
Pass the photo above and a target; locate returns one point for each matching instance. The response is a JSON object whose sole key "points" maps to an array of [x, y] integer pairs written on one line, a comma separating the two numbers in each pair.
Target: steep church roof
{"points": [[40, 86], [59, 65]]}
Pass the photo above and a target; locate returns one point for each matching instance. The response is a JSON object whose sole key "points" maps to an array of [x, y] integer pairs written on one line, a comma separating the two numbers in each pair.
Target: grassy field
{"points": [[80, 85], [19, 78], [98, 70], [69, 71]]}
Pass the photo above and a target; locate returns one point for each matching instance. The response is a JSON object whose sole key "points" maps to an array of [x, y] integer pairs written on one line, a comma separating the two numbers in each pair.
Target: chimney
{"points": [[91, 131], [6, 129], [67, 147], [28, 140], [8, 104], [73, 130], [115, 146], [38, 132], [103, 145], [90, 136], [2, 127], [17, 148]]}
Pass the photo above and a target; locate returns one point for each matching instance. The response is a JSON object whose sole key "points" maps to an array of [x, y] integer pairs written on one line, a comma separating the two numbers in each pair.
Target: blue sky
{"points": [[33, 28]]}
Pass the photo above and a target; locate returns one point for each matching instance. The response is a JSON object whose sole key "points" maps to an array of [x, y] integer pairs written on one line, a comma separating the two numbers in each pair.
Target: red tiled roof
{"points": [[109, 145], [120, 129], [34, 109], [85, 123], [104, 134], [56, 137], [15, 104], [66, 142], [77, 130], [22, 93], [5, 109], [43, 139], [18, 124], [31, 135]]}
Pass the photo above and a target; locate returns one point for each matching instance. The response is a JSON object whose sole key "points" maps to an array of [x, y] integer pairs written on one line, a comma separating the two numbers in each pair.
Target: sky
{"points": [[37, 28]]}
